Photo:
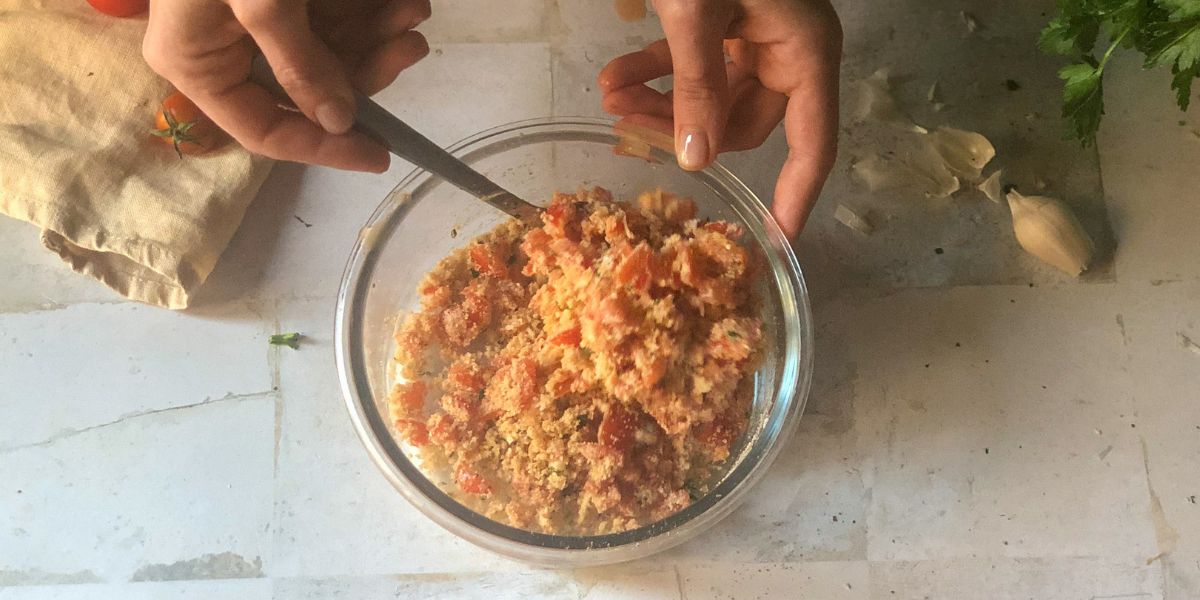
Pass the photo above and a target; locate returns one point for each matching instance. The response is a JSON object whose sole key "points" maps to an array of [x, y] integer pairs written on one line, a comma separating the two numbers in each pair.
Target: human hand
{"points": [[319, 50], [783, 64]]}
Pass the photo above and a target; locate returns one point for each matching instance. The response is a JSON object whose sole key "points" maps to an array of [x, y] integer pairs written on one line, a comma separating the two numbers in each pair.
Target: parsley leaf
{"points": [[1182, 9], [1182, 84], [1166, 32], [1070, 35], [1083, 100]]}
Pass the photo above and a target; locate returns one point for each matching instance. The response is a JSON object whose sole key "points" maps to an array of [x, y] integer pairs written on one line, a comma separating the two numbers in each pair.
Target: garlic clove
{"points": [[965, 152], [1047, 229], [993, 187], [853, 220]]}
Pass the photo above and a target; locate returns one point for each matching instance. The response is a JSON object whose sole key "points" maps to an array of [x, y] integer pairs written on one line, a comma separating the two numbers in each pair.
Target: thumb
{"points": [[305, 67], [695, 34]]}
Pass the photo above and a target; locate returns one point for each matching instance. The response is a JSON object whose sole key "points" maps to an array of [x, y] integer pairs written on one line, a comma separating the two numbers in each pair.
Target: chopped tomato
{"points": [[569, 337], [617, 231], [469, 481], [488, 262], [636, 268], [616, 310], [617, 428], [464, 376], [413, 431], [464, 321], [441, 429], [525, 379], [717, 434], [561, 220], [182, 125], [410, 397], [732, 231], [654, 372]]}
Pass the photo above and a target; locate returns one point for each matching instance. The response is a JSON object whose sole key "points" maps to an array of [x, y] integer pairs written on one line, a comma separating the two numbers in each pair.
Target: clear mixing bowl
{"points": [[424, 218]]}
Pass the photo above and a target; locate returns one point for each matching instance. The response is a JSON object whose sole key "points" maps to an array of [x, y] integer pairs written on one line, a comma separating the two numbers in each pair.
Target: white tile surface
{"points": [[964, 479], [1018, 579], [596, 22], [32, 277], [468, 586], [108, 361], [1167, 399], [826, 580], [1148, 160], [926, 42], [992, 449], [150, 497], [574, 70], [516, 20], [602, 584], [810, 507], [242, 589], [353, 522]]}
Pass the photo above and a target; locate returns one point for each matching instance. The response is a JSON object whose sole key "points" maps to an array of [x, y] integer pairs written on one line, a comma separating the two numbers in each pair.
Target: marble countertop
{"points": [[980, 426]]}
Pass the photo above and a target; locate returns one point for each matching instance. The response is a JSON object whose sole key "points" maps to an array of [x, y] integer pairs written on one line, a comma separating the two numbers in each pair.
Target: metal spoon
{"points": [[376, 122]]}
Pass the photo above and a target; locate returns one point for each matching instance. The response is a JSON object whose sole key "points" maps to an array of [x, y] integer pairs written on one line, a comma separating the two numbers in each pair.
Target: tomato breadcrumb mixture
{"points": [[586, 376]]}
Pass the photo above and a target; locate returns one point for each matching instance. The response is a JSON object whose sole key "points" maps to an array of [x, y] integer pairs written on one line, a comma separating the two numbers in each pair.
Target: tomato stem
{"points": [[177, 132]]}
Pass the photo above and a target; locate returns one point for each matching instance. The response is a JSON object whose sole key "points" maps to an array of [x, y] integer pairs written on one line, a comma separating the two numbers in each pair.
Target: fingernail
{"points": [[692, 149], [335, 117]]}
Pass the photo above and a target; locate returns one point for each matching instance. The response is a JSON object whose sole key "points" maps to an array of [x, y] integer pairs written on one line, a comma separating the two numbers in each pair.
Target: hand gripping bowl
{"points": [[424, 218]]}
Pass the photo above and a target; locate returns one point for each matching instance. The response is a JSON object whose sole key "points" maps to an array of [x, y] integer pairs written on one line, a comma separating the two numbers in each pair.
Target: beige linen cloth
{"points": [[77, 103]]}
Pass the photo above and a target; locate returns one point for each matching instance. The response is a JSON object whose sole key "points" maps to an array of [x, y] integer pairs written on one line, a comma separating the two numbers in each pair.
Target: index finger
{"points": [[811, 124], [254, 118]]}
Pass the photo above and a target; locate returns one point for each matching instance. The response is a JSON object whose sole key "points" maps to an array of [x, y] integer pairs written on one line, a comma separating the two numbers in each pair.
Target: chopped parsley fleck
{"points": [[291, 340]]}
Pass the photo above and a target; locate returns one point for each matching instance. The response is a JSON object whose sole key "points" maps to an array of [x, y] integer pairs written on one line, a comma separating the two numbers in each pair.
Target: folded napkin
{"points": [[77, 159]]}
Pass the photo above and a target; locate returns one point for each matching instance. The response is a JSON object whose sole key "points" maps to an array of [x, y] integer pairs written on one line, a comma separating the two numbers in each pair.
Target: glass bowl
{"points": [[424, 218]]}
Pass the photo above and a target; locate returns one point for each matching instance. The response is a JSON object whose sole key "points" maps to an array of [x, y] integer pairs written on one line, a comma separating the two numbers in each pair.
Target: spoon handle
{"points": [[400, 139]]}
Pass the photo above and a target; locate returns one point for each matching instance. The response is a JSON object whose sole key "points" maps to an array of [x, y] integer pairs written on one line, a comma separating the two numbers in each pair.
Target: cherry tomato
{"points": [[120, 8], [180, 123]]}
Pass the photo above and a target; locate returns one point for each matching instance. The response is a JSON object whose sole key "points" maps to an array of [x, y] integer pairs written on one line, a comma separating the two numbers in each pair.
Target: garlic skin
{"points": [[922, 171], [993, 187], [1047, 229], [876, 103], [846, 216], [965, 152]]}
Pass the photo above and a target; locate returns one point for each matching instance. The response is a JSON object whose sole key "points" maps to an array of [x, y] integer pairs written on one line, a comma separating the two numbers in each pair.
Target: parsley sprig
{"points": [[1166, 32]]}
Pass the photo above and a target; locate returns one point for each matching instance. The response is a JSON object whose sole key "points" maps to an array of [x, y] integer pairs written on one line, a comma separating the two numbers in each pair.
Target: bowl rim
{"points": [[550, 549]]}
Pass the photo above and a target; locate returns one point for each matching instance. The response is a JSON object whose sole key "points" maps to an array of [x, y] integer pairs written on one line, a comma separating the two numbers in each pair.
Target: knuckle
{"points": [[695, 88], [155, 54], [294, 77], [675, 10], [610, 104]]}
